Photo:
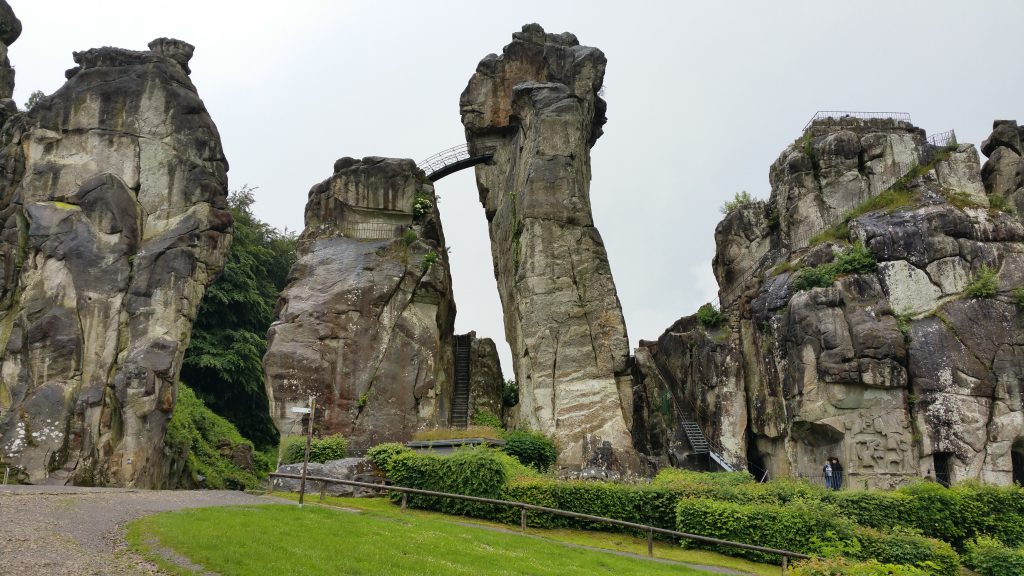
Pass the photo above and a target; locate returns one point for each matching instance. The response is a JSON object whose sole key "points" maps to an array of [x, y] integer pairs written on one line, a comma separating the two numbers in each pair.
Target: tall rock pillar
{"points": [[114, 221], [366, 323], [536, 108]]}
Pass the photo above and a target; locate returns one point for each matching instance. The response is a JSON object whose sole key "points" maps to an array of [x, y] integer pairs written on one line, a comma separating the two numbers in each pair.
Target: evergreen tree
{"points": [[224, 362]]}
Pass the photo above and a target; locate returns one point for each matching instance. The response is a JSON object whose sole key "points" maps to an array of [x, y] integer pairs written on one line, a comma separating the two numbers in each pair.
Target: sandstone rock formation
{"points": [[891, 367], [10, 30], [366, 323], [486, 382], [1003, 173], [114, 223], [537, 109]]}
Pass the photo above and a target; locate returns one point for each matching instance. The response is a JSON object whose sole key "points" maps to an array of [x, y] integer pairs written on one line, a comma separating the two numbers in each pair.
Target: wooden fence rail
{"points": [[524, 507]]}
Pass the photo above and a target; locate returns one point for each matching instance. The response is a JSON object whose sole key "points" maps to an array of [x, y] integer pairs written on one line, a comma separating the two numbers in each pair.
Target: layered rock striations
{"points": [[894, 361], [486, 381], [536, 108], [10, 30], [114, 223], [365, 324]]}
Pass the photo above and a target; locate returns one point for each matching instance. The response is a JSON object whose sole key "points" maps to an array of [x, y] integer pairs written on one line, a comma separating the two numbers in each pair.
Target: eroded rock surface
{"points": [[114, 223], [537, 109], [10, 30], [486, 382], [366, 323], [892, 368]]}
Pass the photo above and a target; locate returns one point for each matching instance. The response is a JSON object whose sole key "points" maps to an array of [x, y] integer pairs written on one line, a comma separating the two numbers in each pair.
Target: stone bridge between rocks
{"points": [[450, 161]]}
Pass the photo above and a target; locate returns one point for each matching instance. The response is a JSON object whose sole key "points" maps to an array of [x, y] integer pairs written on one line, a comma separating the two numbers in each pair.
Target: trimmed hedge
{"points": [[531, 448], [808, 528], [293, 449], [907, 546], [989, 557], [812, 528], [843, 567]]}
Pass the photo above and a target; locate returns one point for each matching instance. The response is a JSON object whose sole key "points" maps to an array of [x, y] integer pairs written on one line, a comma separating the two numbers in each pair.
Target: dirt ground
{"points": [[58, 530]]}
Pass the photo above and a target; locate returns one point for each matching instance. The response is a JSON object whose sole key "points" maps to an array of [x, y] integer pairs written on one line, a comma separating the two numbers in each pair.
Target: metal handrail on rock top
{"points": [[843, 114], [451, 160]]}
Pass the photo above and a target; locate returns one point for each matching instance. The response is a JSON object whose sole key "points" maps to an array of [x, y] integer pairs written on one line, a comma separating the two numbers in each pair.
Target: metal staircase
{"points": [[699, 442], [460, 395]]}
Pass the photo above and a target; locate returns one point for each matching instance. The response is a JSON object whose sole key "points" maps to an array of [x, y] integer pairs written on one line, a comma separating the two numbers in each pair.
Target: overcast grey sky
{"points": [[702, 97]]}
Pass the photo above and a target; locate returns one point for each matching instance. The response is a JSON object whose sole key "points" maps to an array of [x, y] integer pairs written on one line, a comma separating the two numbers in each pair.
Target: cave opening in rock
{"points": [[1017, 456], [943, 466]]}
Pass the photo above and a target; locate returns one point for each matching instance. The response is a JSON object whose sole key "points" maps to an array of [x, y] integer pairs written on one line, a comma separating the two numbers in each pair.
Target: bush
{"points": [[456, 433], [843, 567], [808, 528], [739, 200], [996, 511], [935, 510], [409, 236], [382, 454], [855, 260], [872, 508], [510, 393], [487, 418], [475, 471], [907, 546], [708, 316], [293, 449], [195, 438], [1018, 296], [985, 283], [421, 204], [531, 448], [990, 557]]}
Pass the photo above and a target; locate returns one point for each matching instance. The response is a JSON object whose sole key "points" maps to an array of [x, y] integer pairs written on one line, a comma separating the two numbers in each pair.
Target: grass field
{"points": [[316, 540]]}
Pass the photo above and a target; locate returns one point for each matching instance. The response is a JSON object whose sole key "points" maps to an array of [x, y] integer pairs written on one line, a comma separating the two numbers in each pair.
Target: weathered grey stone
{"points": [[356, 469], [486, 382], [115, 222], [537, 109], [884, 369], [366, 323]]}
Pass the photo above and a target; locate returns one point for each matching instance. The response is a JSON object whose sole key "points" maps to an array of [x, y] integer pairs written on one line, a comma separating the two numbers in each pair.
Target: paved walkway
{"points": [[50, 530]]}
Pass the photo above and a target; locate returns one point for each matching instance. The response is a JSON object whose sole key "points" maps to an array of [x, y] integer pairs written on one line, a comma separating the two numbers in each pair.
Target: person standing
{"points": [[827, 470], [837, 474]]}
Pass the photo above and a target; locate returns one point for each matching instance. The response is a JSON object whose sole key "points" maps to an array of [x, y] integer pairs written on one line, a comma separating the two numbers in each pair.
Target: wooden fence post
{"points": [[522, 519], [650, 543], [405, 500], [785, 562], [323, 490]]}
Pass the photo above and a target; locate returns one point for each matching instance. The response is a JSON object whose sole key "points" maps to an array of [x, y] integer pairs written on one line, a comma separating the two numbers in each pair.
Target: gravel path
{"points": [[48, 530]]}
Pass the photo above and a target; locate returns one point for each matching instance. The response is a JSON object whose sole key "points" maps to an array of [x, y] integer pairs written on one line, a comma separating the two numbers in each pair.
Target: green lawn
{"points": [[318, 540]]}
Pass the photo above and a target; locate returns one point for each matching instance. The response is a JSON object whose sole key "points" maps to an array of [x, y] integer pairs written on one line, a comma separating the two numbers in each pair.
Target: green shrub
{"points": [[843, 567], [293, 449], [907, 546], [857, 259], [708, 316], [428, 260], [817, 277], [985, 283], [1018, 296], [409, 236], [1000, 202], [421, 204], [808, 528], [935, 510], [642, 504], [475, 471], [382, 454], [990, 557], [486, 418], [872, 508], [531, 448], [740, 199], [996, 511], [195, 437], [510, 393]]}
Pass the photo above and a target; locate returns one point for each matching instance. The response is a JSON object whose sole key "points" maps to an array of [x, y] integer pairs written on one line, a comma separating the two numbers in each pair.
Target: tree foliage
{"points": [[224, 362]]}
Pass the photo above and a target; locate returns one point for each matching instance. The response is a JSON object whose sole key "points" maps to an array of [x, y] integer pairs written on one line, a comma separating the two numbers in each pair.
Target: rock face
{"points": [[1003, 173], [891, 367], [486, 382], [537, 109], [10, 30], [114, 223], [366, 323], [357, 469]]}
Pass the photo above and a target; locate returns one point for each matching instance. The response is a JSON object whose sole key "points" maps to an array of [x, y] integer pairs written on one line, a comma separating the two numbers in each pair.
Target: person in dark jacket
{"points": [[837, 474]]}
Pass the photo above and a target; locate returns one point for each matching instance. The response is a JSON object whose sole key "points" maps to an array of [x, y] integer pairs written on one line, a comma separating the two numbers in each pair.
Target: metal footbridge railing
{"points": [[450, 161]]}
